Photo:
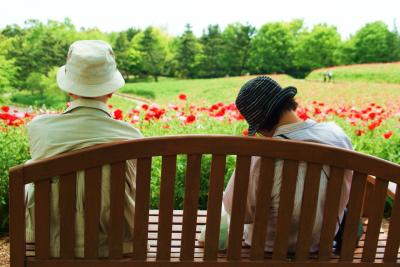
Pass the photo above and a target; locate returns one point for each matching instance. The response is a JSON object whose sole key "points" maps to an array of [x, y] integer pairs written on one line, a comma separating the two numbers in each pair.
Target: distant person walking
{"points": [[328, 76]]}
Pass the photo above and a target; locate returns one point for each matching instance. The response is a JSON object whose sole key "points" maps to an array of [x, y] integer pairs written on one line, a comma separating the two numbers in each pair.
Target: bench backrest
{"points": [[91, 159]]}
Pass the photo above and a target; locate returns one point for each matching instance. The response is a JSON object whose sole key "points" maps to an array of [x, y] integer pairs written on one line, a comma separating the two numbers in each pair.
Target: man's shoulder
{"points": [[42, 119], [71, 122], [125, 126]]}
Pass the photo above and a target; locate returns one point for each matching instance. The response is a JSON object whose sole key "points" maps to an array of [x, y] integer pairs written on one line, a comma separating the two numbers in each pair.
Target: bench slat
{"points": [[17, 217], [353, 216], [117, 198], [92, 211], [393, 240], [376, 206], [331, 211], [264, 188], [286, 202], [168, 173], [191, 200], [241, 184], [308, 210], [143, 176], [42, 219], [213, 218], [67, 199]]}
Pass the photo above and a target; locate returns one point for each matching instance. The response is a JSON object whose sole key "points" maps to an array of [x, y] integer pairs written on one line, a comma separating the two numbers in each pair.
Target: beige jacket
{"points": [[85, 123]]}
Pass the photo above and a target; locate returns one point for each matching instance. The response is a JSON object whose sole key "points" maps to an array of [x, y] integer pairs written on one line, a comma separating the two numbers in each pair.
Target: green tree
{"points": [[7, 74], [90, 34], [121, 47], [12, 31], [53, 96], [372, 43], [394, 43], [8, 70], [348, 51], [131, 32], [318, 48], [234, 56], [42, 46], [211, 60], [34, 83], [153, 49], [187, 54], [272, 49], [296, 26]]}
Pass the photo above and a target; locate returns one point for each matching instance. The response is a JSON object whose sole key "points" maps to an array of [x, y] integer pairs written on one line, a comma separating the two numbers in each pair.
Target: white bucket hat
{"points": [[90, 70]]}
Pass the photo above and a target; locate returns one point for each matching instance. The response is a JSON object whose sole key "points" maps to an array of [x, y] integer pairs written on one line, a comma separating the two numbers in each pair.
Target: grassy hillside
{"points": [[198, 90], [208, 91], [379, 73]]}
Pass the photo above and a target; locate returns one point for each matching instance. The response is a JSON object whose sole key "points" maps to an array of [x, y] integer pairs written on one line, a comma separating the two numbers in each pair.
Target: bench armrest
{"points": [[368, 191], [391, 188]]}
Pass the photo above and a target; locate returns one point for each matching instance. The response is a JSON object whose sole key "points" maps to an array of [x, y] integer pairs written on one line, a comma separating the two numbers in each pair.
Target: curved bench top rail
{"points": [[208, 144]]}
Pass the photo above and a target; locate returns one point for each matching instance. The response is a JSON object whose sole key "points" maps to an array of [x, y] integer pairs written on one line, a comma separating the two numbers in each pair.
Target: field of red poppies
{"points": [[371, 123]]}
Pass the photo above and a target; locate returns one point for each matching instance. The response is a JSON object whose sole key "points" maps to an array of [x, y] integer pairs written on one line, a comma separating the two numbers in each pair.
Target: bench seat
{"points": [[199, 250]]}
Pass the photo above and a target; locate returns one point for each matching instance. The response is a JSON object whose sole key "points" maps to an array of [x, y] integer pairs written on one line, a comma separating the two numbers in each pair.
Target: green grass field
{"points": [[379, 73], [207, 91]]}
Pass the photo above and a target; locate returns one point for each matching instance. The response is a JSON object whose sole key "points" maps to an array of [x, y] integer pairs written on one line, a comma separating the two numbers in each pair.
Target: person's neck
{"points": [[289, 117], [101, 99]]}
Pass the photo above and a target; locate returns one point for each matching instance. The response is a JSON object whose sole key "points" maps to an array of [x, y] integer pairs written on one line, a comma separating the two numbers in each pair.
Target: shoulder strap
{"points": [[283, 136]]}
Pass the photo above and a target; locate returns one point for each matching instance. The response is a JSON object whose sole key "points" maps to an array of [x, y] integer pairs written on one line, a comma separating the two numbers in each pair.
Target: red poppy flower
{"points": [[303, 115], [359, 132], [388, 134], [373, 125], [190, 119], [317, 111], [118, 114], [145, 107], [245, 132], [5, 109], [214, 107], [220, 113], [182, 97], [372, 115], [135, 111]]}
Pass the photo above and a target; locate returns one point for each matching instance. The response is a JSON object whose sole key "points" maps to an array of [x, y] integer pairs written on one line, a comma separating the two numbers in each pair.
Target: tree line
{"points": [[30, 53]]}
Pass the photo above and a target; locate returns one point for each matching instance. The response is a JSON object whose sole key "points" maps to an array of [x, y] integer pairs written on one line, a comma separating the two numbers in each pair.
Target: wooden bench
{"points": [[172, 234]]}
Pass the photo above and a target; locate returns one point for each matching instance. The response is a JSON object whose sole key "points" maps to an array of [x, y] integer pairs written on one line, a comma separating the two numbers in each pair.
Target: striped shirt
{"points": [[326, 133]]}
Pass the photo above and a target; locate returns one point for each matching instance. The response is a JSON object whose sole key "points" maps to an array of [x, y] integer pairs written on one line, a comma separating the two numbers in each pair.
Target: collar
{"points": [[87, 103], [288, 128]]}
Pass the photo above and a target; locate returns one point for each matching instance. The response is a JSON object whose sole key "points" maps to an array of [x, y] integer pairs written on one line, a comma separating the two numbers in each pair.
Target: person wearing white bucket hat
{"points": [[90, 76]]}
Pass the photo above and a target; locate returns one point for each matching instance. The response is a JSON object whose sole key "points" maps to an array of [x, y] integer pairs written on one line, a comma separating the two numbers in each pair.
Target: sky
{"points": [[172, 15]]}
